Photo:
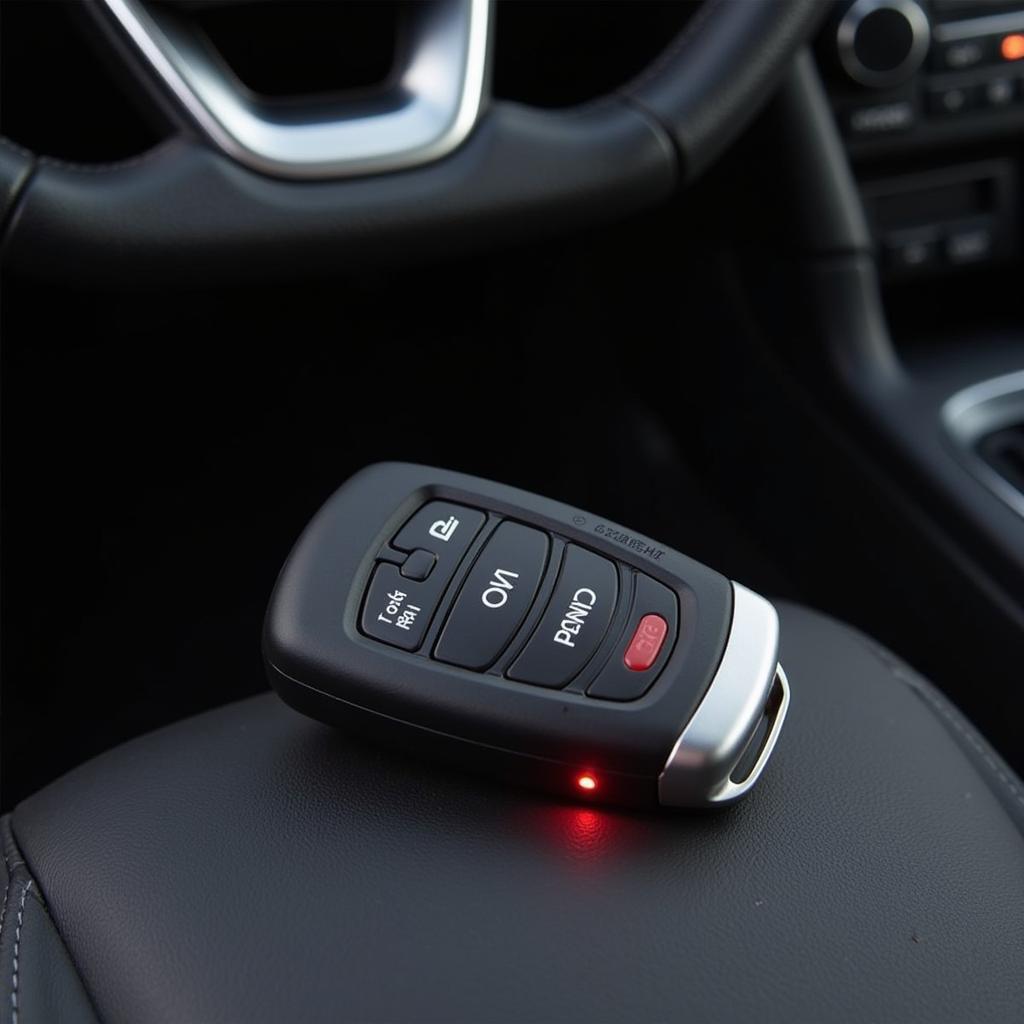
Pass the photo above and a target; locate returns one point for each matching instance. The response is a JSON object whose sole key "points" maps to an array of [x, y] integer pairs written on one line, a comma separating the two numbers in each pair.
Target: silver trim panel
{"points": [[979, 410], [994, 24], [749, 682], [428, 111]]}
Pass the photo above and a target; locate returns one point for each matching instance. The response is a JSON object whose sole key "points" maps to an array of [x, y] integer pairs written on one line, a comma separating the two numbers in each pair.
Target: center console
{"points": [[927, 84], [901, 154], [927, 97]]}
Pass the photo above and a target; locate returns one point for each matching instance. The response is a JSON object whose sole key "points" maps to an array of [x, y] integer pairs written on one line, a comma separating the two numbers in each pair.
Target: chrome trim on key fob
{"points": [[748, 684]]}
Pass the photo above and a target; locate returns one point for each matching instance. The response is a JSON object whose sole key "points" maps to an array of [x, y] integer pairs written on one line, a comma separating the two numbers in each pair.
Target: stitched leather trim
{"points": [[1000, 777], [20, 884]]}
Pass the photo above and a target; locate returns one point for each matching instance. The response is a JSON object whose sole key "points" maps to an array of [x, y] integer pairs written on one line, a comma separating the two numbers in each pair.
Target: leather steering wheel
{"points": [[236, 191]]}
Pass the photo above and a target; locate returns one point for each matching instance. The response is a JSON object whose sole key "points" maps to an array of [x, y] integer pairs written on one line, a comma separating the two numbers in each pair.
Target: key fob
{"points": [[528, 639]]}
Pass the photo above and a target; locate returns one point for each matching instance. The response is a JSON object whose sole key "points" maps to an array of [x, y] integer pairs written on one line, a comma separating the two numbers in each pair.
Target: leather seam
{"points": [[954, 719], [37, 895], [976, 743], [9, 867], [3, 909], [17, 949], [662, 133]]}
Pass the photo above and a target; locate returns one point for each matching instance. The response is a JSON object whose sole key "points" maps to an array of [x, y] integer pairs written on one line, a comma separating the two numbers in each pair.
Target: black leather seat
{"points": [[252, 865]]}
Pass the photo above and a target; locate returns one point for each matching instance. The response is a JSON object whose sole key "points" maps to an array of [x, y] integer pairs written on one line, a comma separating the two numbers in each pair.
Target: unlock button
{"points": [[495, 598]]}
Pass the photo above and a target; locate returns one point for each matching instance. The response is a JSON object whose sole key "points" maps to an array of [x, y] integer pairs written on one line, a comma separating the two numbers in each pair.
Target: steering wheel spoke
{"points": [[427, 109], [256, 186]]}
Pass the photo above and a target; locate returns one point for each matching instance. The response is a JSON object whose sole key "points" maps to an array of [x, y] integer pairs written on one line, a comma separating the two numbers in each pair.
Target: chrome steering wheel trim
{"points": [[430, 107]]}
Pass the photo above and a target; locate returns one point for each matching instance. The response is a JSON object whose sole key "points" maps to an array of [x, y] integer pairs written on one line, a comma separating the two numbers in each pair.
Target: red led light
{"points": [[1012, 46], [587, 782]]}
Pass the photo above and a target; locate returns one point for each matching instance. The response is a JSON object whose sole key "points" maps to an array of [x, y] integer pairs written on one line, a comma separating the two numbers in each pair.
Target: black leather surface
{"points": [[185, 213], [720, 70], [250, 865], [15, 169], [38, 981]]}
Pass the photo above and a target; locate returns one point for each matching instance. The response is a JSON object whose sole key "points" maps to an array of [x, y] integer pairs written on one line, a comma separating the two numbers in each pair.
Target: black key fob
{"points": [[521, 637]]}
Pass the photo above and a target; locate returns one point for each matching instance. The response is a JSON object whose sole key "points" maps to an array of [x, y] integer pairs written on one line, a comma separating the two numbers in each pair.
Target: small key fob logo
{"points": [[444, 528]]}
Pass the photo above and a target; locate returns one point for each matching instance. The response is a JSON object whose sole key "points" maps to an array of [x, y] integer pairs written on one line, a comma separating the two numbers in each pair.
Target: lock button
{"points": [[400, 602], [445, 530], [495, 597]]}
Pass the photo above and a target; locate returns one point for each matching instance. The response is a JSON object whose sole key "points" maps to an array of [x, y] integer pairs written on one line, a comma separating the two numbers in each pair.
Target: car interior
{"points": [[718, 296]]}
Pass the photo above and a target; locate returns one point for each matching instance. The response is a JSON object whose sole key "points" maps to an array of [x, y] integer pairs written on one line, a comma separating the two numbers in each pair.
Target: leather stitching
{"points": [[6, 825], [17, 946], [956, 720], [975, 742], [3, 909], [7, 889]]}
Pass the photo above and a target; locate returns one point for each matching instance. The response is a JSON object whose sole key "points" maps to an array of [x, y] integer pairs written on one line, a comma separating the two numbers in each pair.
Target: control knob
{"points": [[881, 43]]}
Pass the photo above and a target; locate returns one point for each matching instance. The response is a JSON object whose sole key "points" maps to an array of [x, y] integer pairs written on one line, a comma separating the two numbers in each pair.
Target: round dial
{"points": [[882, 43]]}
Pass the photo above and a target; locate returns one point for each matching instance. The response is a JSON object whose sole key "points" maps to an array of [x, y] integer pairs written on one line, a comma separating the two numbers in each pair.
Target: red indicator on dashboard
{"points": [[645, 646], [586, 782]]}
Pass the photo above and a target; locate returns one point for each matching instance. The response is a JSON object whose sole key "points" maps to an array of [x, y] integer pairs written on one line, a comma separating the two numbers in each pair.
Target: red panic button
{"points": [[645, 646]]}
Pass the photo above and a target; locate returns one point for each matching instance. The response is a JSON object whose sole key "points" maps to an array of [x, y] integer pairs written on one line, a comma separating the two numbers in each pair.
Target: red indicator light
{"points": [[1012, 46], [586, 782], [645, 646]]}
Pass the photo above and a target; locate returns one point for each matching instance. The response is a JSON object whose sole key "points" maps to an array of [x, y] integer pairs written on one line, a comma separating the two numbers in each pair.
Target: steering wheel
{"points": [[241, 188]]}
